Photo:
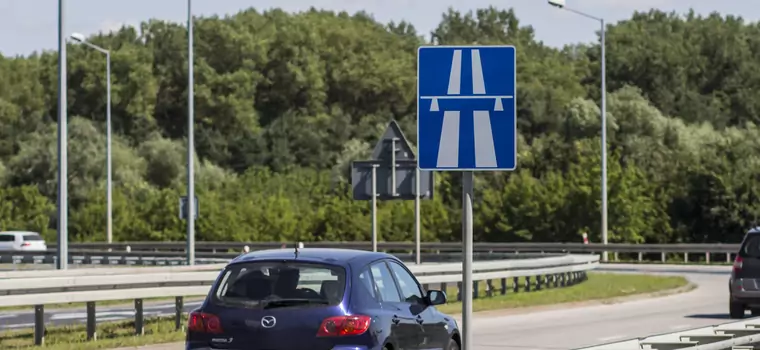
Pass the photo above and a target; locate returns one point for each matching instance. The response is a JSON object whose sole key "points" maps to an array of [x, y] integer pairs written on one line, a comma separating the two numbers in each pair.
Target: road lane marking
{"points": [[98, 315], [171, 306], [610, 338], [112, 318], [16, 326], [680, 326]]}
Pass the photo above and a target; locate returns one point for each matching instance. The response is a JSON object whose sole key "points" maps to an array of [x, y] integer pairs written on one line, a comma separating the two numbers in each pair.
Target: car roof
{"points": [[335, 256], [18, 232]]}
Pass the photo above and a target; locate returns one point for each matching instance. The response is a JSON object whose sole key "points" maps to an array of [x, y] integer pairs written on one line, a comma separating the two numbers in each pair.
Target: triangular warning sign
{"points": [[393, 137]]}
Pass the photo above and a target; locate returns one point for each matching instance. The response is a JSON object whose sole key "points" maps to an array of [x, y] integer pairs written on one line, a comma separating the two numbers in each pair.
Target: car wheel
{"points": [[735, 309], [452, 345]]}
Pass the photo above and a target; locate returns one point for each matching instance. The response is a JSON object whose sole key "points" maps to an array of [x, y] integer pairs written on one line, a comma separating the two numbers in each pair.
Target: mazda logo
{"points": [[268, 321]]}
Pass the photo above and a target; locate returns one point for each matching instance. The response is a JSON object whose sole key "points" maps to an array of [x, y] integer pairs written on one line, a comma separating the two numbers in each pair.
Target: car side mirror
{"points": [[436, 297]]}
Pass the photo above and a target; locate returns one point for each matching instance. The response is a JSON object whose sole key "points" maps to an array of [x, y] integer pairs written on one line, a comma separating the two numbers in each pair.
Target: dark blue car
{"points": [[320, 299]]}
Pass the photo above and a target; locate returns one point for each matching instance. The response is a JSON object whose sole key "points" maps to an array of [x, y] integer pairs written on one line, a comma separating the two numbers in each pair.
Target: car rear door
{"points": [[749, 253], [404, 328], [433, 333]]}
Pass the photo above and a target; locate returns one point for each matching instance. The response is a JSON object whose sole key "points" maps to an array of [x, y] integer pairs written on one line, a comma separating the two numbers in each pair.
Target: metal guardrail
{"points": [[641, 251], [436, 246], [175, 258], [38, 288], [728, 336]]}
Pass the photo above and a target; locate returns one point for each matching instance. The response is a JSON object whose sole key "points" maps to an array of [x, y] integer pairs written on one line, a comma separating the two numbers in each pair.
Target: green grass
{"points": [[109, 335], [599, 286]]}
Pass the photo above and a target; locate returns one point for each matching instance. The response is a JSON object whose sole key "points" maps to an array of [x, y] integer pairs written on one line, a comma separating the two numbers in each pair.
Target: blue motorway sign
{"points": [[466, 108]]}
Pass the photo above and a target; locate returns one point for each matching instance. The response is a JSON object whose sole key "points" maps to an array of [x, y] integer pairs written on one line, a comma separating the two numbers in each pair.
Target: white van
{"points": [[22, 241]]}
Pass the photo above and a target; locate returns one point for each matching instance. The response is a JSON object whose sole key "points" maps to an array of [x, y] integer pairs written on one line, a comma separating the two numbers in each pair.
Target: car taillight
{"points": [[339, 326], [204, 323], [25, 244], [738, 263]]}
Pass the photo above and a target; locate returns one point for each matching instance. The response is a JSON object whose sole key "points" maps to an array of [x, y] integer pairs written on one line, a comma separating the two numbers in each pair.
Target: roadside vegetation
{"points": [[285, 101], [598, 287]]}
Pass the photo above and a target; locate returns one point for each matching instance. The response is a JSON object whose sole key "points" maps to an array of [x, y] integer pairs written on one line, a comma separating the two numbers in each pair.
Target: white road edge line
{"points": [[680, 326], [614, 337], [15, 326]]}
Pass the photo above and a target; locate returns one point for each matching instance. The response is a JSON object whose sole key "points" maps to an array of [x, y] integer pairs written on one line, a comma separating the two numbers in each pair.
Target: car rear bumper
{"points": [[195, 346], [746, 291], [31, 249], [23, 250]]}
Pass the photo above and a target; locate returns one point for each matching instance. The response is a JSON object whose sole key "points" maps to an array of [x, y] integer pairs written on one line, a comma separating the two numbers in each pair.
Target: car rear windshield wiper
{"points": [[292, 302]]}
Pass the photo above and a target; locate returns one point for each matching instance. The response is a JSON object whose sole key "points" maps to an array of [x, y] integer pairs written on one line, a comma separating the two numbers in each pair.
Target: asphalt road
{"points": [[539, 330], [599, 324]]}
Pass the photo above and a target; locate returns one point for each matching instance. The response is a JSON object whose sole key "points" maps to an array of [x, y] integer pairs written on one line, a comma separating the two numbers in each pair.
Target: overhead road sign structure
{"points": [[392, 174], [466, 108], [395, 169], [405, 181]]}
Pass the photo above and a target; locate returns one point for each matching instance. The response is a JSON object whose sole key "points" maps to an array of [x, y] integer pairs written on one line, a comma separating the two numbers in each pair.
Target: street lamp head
{"points": [[78, 37], [557, 3]]}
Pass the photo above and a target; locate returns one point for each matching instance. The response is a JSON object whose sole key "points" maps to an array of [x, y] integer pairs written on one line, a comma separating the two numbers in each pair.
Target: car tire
{"points": [[735, 309], [452, 345]]}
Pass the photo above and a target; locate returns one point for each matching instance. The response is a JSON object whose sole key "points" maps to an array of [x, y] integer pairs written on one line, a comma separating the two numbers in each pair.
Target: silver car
{"points": [[22, 241]]}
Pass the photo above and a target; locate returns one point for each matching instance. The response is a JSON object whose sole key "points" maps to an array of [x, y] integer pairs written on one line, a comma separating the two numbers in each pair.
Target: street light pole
{"points": [[109, 182], [190, 141], [561, 4], [62, 261], [604, 139]]}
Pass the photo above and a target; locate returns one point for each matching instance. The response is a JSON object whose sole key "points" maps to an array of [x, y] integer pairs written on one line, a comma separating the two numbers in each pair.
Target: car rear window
{"points": [[255, 284], [751, 247], [32, 238]]}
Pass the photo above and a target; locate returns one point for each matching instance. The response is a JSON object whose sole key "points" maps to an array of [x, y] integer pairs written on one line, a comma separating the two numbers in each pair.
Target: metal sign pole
{"points": [[417, 228], [467, 193], [393, 167], [374, 208]]}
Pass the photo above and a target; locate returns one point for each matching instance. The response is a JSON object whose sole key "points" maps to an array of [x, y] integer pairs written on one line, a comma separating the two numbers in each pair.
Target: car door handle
{"points": [[395, 319]]}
